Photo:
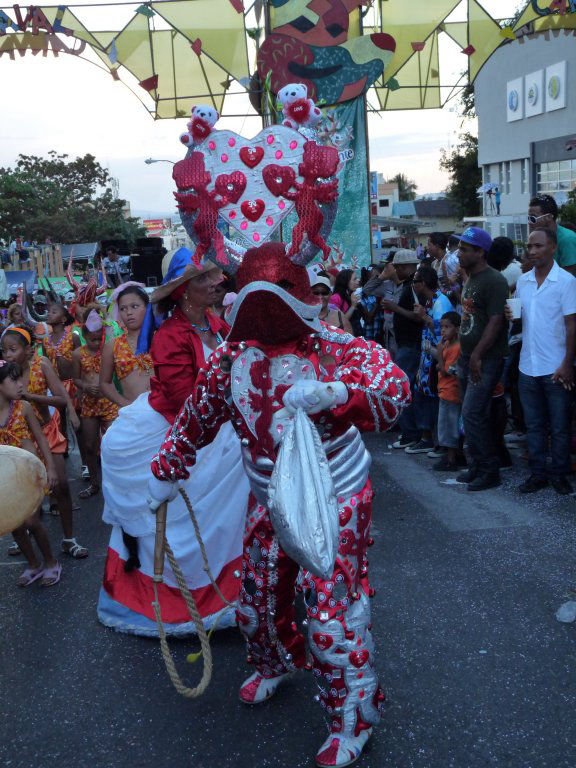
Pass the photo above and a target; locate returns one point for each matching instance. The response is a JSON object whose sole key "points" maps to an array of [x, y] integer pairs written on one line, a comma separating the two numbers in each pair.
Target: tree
{"points": [[465, 176], [406, 187], [69, 201], [568, 210]]}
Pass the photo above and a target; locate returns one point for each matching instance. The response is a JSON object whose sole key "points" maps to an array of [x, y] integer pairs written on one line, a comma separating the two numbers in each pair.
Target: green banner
{"points": [[344, 127]]}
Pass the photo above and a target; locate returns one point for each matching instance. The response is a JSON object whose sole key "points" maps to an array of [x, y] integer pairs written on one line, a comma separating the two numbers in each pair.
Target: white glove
{"points": [[315, 396], [160, 491]]}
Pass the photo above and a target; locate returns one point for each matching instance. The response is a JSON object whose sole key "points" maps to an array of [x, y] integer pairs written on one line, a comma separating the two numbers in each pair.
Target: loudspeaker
{"points": [[120, 245], [147, 268], [149, 244]]}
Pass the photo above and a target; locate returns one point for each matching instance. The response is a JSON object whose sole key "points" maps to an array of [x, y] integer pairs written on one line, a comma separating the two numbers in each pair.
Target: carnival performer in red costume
{"points": [[278, 358]]}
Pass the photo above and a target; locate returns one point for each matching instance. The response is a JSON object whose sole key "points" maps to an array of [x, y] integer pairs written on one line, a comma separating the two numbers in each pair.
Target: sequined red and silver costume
{"points": [[245, 383]]}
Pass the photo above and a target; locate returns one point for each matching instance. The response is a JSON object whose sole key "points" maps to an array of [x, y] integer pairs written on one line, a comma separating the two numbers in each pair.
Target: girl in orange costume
{"points": [[97, 412], [19, 427], [59, 345], [119, 356], [38, 376]]}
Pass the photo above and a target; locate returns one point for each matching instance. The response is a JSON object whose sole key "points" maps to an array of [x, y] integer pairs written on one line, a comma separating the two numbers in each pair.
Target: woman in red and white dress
{"points": [[218, 487]]}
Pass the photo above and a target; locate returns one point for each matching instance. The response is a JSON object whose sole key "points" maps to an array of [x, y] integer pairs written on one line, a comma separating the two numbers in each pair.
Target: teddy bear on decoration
{"points": [[200, 125], [299, 111]]}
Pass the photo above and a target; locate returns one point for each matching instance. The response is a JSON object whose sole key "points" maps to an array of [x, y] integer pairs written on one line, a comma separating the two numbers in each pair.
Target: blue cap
{"points": [[478, 237]]}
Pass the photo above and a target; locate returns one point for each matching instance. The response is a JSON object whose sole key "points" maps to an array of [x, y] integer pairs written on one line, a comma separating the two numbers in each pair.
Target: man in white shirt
{"points": [[548, 296]]}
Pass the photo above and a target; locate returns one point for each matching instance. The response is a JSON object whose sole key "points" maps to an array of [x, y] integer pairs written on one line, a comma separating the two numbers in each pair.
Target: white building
{"points": [[526, 105]]}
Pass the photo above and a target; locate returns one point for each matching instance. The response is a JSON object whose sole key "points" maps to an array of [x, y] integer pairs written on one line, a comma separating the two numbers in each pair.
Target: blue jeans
{"points": [[476, 410], [546, 407], [408, 359]]}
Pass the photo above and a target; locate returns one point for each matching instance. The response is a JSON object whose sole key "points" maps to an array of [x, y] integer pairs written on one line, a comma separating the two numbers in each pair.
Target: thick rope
{"points": [[189, 693], [202, 548]]}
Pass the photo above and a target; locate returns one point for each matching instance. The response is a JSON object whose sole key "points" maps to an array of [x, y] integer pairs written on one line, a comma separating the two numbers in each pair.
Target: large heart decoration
{"points": [[226, 152]]}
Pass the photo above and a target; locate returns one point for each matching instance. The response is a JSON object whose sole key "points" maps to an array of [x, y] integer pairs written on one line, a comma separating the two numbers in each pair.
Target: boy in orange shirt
{"points": [[448, 352]]}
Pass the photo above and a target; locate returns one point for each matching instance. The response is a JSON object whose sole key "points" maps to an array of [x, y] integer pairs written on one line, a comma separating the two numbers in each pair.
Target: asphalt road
{"points": [[477, 670]]}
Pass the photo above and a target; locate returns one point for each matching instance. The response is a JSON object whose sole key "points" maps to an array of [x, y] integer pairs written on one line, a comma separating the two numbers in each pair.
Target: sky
{"points": [[69, 105]]}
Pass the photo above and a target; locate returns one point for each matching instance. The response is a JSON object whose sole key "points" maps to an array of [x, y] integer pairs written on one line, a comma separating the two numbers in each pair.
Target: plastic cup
{"points": [[515, 306]]}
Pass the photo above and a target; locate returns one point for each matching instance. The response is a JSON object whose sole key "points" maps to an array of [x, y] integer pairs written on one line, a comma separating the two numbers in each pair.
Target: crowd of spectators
{"points": [[485, 371]]}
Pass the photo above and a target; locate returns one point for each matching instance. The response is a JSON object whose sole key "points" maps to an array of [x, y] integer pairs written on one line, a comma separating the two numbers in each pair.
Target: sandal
{"points": [[51, 576], [91, 490], [14, 550], [29, 576], [73, 549]]}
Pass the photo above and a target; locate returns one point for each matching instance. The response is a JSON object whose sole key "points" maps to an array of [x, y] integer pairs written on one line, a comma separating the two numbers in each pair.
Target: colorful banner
{"points": [[344, 127]]}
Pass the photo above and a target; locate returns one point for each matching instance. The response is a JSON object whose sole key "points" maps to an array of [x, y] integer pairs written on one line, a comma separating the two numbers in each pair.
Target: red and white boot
{"points": [[339, 750], [258, 688]]}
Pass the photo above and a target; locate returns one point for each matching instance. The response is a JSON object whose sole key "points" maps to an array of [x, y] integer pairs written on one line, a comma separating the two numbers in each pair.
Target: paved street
{"points": [[477, 670]]}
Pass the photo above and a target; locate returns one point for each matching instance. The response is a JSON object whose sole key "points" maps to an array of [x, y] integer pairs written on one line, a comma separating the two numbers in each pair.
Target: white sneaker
{"points": [[257, 688], [401, 444], [340, 750]]}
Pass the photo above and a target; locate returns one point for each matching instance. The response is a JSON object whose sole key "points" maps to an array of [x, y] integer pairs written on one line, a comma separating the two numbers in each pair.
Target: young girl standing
{"points": [[119, 356], [39, 377], [18, 428], [62, 341], [97, 412]]}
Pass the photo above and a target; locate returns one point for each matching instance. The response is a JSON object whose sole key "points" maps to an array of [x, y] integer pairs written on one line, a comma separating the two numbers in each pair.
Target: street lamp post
{"points": [[150, 160]]}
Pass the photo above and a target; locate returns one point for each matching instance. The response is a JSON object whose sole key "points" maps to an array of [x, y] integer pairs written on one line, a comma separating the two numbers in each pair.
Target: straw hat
{"points": [[177, 268]]}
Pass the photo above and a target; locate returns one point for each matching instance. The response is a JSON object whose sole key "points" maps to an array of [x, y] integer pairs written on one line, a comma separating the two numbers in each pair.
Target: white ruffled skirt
{"points": [[218, 489]]}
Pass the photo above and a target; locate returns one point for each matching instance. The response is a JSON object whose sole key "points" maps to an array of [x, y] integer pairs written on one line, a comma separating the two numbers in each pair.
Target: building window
{"points": [[507, 177], [486, 170], [501, 176], [525, 171], [557, 177], [384, 203]]}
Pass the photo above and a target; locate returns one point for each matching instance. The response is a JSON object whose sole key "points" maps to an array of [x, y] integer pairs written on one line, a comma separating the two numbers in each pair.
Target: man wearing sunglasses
{"points": [[543, 214]]}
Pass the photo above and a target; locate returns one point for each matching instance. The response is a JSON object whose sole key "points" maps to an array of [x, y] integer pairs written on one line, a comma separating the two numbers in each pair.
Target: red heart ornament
{"points": [[345, 516], [322, 641], [251, 156], [253, 209], [279, 178], [358, 658], [231, 185]]}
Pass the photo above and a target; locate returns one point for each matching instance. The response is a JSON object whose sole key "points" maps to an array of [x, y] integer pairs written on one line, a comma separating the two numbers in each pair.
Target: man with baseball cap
{"points": [[483, 345]]}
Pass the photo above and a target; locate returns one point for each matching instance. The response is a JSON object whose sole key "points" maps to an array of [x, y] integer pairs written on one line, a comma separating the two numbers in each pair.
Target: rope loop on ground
{"points": [[184, 690]]}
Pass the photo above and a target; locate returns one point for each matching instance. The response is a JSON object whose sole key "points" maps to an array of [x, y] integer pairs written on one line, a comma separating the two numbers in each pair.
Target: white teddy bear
{"points": [[298, 109], [200, 125]]}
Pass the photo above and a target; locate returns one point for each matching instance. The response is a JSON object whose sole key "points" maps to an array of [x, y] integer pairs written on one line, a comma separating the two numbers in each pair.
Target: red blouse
{"points": [[178, 355]]}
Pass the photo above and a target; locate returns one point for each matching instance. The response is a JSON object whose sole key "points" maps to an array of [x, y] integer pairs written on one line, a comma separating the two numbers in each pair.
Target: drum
{"points": [[22, 486]]}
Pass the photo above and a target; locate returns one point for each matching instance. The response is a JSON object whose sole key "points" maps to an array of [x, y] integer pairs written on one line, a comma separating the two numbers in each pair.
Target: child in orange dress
{"points": [[39, 377], [19, 427], [120, 356], [97, 412], [62, 341]]}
